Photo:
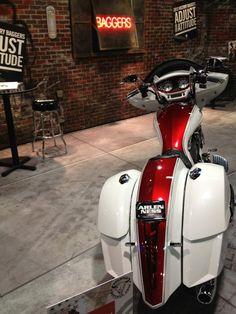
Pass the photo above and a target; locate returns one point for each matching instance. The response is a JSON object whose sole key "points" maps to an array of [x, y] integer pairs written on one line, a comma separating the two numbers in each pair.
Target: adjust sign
{"points": [[12, 52], [185, 19]]}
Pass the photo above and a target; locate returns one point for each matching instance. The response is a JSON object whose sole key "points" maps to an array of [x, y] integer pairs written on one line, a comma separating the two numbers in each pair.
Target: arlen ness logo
{"points": [[152, 210]]}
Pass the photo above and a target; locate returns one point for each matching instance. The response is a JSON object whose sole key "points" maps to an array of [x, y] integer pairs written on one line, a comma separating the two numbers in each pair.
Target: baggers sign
{"points": [[114, 22], [185, 20], [12, 52]]}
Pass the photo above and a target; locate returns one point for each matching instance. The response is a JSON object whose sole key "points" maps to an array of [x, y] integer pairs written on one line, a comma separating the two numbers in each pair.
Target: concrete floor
{"points": [[49, 248]]}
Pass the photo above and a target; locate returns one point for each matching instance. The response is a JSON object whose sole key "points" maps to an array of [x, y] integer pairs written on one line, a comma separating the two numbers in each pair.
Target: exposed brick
{"points": [[92, 94]]}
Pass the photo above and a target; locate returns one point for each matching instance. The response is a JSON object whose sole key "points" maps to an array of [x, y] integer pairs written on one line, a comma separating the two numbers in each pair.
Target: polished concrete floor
{"points": [[49, 247]]}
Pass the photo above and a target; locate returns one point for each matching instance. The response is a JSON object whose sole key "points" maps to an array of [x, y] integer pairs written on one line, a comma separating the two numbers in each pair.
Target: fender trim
{"points": [[155, 185]]}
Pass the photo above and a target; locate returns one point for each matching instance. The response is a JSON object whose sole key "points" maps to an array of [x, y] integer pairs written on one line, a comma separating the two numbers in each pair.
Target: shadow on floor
{"points": [[183, 301]]}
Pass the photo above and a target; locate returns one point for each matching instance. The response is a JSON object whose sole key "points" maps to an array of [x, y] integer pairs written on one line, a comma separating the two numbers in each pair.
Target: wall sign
{"points": [[106, 27], [185, 19], [115, 24], [12, 52]]}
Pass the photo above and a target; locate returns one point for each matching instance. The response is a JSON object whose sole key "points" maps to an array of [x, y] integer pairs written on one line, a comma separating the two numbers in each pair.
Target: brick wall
{"points": [[91, 91], [222, 29]]}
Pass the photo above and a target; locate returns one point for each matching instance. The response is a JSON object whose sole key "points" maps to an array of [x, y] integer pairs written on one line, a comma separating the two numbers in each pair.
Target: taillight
{"points": [[152, 242]]}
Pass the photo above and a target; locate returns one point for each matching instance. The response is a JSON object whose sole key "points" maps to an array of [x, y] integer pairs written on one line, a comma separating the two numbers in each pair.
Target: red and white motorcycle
{"points": [[168, 224]]}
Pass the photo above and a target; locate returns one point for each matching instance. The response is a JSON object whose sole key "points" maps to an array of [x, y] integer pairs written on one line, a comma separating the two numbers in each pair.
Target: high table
{"points": [[15, 162]]}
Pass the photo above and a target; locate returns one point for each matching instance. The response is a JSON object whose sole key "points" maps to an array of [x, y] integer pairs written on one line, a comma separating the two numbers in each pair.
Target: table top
{"points": [[9, 88]]}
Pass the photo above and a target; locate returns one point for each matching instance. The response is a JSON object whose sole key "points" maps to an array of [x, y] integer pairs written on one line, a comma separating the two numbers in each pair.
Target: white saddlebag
{"points": [[206, 219], [114, 221]]}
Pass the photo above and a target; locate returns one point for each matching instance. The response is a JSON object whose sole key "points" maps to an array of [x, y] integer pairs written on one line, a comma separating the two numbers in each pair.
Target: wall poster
{"points": [[12, 52], [185, 19]]}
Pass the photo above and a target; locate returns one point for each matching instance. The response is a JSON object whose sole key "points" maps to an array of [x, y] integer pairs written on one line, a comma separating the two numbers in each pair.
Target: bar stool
{"points": [[47, 124]]}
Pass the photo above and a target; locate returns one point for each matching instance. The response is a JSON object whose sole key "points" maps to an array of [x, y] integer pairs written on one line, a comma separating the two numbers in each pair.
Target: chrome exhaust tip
{"points": [[206, 291]]}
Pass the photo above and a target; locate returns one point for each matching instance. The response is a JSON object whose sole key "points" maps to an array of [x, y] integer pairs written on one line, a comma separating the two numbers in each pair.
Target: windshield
{"points": [[170, 66]]}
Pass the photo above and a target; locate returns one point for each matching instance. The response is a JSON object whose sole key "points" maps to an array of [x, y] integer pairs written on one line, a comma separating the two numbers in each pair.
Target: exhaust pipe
{"points": [[206, 291]]}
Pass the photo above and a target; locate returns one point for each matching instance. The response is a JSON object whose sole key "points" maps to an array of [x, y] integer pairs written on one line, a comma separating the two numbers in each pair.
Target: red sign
{"points": [[105, 309], [113, 22]]}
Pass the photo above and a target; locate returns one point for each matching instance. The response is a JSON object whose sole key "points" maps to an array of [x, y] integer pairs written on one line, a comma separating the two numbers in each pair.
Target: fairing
{"points": [[216, 84]]}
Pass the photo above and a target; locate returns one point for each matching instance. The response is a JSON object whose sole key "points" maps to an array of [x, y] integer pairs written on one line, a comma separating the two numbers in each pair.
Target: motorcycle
{"points": [[168, 224]]}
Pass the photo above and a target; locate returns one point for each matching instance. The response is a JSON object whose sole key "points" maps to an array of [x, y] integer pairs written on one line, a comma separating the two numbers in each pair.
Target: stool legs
{"points": [[60, 131], [34, 125], [37, 129], [47, 126], [43, 134], [52, 128]]}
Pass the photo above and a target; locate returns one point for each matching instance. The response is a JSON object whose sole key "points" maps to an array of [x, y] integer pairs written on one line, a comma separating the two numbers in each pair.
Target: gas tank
{"points": [[175, 125]]}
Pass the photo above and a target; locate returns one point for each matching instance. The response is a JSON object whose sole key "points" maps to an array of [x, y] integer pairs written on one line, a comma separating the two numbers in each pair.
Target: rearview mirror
{"points": [[130, 79]]}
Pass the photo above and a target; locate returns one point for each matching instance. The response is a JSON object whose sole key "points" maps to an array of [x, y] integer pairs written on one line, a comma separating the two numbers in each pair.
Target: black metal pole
{"points": [[11, 129]]}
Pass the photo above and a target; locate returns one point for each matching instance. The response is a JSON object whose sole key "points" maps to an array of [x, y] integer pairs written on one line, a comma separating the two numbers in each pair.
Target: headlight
{"points": [[183, 83], [167, 86]]}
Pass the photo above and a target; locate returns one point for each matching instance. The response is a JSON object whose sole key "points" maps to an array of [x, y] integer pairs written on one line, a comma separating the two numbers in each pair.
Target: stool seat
{"points": [[47, 124], [44, 105]]}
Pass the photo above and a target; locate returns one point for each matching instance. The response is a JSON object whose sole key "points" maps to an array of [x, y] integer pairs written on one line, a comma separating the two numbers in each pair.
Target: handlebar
{"points": [[199, 77], [196, 76]]}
